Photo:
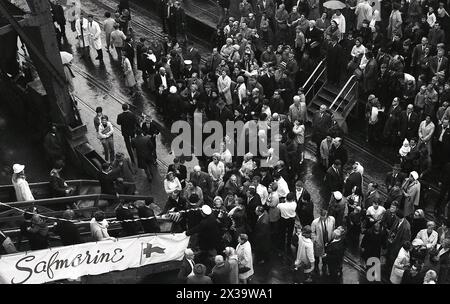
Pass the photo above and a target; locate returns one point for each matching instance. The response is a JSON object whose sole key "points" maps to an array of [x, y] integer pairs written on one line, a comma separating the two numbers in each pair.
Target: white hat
{"points": [[173, 89], [337, 195], [187, 62], [206, 209], [17, 168], [415, 175]]}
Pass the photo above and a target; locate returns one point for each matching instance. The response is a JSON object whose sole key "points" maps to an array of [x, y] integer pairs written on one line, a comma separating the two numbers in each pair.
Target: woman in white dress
{"points": [[130, 80], [401, 263], [245, 259], [19, 181]]}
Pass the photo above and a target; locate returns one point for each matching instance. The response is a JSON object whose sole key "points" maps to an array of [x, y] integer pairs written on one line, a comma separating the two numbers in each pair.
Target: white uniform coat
{"points": [[95, 40]]}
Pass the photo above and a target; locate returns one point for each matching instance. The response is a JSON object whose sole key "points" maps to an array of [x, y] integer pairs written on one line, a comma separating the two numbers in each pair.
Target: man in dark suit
{"points": [[333, 178], [201, 179], [222, 113], [300, 193], [144, 211], [442, 143], [267, 80], [372, 195], [394, 176], [320, 125], [253, 201], [418, 52], [261, 242], [128, 122], [439, 64], [192, 54], [335, 61], [143, 146], [444, 190], [106, 178], [353, 179], [59, 17], [409, 123], [187, 266], [124, 213], [338, 152], [208, 235], [334, 256], [391, 126]]}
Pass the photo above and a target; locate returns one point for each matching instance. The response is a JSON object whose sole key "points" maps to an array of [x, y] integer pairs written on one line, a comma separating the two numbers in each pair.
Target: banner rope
{"points": [[169, 214]]}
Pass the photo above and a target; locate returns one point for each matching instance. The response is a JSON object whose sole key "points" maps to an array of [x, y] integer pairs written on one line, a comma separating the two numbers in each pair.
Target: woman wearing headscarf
{"points": [[411, 193], [66, 59], [332, 31], [130, 80], [21, 187]]}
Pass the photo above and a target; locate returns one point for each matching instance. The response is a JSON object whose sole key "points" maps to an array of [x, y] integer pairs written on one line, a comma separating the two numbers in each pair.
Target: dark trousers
{"points": [[275, 235], [119, 53], [127, 139], [286, 231], [72, 26], [442, 201], [100, 54]]}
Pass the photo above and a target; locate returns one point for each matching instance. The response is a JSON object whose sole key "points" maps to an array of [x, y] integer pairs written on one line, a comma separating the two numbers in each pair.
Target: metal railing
{"points": [[344, 88], [310, 83]]}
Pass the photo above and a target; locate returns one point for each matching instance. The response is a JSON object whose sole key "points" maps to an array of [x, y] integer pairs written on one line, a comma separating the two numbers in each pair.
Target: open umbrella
{"points": [[66, 57], [334, 5]]}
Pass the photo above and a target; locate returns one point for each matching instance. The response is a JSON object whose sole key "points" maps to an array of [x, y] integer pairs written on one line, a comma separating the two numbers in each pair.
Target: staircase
{"points": [[338, 100]]}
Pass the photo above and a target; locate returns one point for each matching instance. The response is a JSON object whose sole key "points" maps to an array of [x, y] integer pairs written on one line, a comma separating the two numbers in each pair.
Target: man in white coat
{"points": [[81, 26], [95, 40]]}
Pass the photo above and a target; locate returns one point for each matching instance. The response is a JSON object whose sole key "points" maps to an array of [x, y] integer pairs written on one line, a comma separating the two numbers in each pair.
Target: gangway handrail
{"points": [[311, 76], [348, 92], [71, 199], [342, 91]]}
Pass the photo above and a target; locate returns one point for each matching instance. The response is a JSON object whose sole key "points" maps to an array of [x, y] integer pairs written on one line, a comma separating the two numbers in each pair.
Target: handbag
{"points": [[244, 269]]}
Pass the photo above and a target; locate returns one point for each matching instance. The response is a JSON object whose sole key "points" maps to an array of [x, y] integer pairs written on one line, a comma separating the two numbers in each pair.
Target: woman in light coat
{"points": [[411, 192], [305, 251], [130, 80], [232, 259], [401, 262], [224, 87], [21, 187], [99, 227], [245, 259]]}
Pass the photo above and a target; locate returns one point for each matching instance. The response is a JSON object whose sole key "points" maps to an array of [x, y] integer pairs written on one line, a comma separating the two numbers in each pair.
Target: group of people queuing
{"points": [[119, 36]]}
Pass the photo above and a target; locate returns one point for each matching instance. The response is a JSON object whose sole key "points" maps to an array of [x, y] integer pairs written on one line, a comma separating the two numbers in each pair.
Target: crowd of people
{"points": [[239, 213]]}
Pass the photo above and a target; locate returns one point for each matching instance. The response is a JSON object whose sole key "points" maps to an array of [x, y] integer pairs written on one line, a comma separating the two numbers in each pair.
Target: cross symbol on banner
{"points": [[150, 249]]}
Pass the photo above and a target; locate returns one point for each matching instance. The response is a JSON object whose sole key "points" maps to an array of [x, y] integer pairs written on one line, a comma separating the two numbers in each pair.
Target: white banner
{"points": [[70, 262]]}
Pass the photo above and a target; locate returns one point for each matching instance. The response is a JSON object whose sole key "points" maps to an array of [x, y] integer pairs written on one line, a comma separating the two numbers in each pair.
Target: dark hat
{"points": [[396, 167]]}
